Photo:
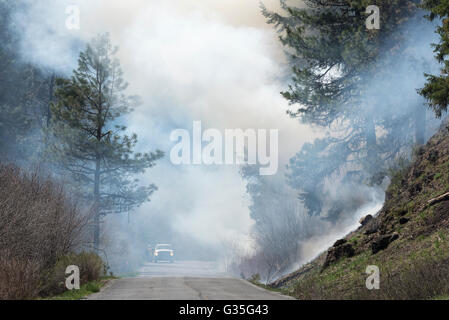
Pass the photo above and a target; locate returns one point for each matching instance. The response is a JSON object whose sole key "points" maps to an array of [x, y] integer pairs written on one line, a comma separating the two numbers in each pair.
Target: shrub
{"points": [[91, 268], [19, 279], [39, 225], [92, 287]]}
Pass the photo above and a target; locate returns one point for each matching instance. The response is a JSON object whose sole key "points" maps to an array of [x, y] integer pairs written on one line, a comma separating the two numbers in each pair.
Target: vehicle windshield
{"points": [[163, 246]]}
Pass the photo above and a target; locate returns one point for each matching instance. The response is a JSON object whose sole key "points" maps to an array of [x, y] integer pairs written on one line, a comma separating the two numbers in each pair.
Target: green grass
{"points": [[416, 265], [85, 290], [266, 287], [340, 280]]}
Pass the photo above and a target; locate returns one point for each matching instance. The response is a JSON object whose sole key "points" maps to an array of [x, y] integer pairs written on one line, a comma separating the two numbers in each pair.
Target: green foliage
{"points": [[92, 287], [86, 139], [437, 176], [334, 61], [85, 290], [91, 267], [24, 94], [311, 166], [333, 54], [14, 126], [436, 89], [255, 278], [398, 171]]}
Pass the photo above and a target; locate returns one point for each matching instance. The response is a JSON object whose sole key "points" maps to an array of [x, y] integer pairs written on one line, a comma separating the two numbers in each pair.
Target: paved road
{"points": [[200, 269], [189, 280]]}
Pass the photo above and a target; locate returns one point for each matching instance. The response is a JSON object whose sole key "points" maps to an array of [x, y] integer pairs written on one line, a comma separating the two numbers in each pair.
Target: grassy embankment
{"points": [[84, 291], [414, 264]]}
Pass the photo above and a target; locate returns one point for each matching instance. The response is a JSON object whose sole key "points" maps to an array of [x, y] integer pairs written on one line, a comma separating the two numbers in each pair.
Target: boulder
{"points": [[372, 226], [340, 249], [403, 220], [339, 242], [382, 242], [363, 221]]}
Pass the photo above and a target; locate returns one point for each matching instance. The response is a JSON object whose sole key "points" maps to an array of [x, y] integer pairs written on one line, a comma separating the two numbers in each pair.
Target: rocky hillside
{"points": [[408, 239]]}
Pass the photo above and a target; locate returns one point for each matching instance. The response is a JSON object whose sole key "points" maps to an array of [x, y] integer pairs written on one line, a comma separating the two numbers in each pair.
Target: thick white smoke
{"points": [[210, 60], [214, 61]]}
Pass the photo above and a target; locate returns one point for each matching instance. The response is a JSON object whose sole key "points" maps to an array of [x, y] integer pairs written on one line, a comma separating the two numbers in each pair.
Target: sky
{"points": [[215, 61]]}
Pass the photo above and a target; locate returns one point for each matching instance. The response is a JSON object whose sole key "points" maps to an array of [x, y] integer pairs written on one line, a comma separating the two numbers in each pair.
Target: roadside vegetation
{"points": [[255, 279], [84, 291], [359, 88], [42, 232], [408, 240]]}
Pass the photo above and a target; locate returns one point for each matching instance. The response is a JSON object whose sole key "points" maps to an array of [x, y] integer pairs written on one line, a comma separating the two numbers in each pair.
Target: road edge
{"points": [[95, 295], [265, 290]]}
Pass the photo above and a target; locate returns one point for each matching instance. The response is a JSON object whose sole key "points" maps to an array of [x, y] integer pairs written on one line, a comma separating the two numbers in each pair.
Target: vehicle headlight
{"points": [[155, 253], [171, 253]]}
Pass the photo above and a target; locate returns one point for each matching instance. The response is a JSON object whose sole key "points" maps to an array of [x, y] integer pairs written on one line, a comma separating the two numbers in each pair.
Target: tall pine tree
{"points": [[436, 89], [334, 58], [89, 144]]}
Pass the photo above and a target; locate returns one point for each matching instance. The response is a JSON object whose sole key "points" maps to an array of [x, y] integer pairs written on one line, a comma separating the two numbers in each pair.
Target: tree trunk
{"points": [[97, 172], [50, 98], [420, 124], [97, 205]]}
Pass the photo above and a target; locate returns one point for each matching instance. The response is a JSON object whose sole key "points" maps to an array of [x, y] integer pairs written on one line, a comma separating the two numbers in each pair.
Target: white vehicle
{"points": [[163, 252]]}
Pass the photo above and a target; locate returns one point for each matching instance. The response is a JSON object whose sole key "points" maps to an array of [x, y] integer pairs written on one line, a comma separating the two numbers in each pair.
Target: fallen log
{"points": [[438, 199]]}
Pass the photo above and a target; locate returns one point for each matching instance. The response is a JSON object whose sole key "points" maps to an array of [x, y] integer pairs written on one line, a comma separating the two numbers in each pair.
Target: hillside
{"points": [[407, 239]]}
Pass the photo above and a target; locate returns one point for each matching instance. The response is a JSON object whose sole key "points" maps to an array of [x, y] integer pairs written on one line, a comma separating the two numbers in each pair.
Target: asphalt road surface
{"points": [[183, 280]]}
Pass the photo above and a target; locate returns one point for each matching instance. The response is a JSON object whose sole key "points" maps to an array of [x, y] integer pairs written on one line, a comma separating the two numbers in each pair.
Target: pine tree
{"points": [[332, 52], [334, 58], [20, 94], [89, 144], [436, 89]]}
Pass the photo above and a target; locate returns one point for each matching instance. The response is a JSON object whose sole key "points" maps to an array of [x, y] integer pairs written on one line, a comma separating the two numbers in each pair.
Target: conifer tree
{"points": [[89, 142], [436, 89], [334, 57]]}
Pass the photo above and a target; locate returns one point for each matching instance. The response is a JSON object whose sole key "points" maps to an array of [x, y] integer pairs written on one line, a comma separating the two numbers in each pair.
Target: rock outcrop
{"points": [[340, 249], [382, 242]]}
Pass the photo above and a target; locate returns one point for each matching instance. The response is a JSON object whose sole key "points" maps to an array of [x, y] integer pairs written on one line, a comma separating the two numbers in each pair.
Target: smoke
{"points": [[325, 236], [390, 99], [44, 39], [390, 96], [214, 61]]}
